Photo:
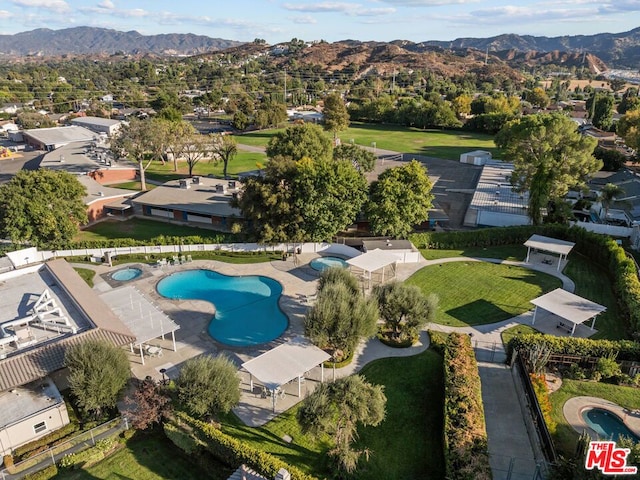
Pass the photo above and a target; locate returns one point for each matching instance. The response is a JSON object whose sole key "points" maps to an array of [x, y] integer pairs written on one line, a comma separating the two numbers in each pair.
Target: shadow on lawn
{"points": [[479, 312]]}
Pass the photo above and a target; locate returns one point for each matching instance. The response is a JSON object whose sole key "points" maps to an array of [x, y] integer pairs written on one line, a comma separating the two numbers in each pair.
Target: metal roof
{"points": [[373, 260], [103, 122], [569, 306], [549, 244], [57, 136], [494, 192]]}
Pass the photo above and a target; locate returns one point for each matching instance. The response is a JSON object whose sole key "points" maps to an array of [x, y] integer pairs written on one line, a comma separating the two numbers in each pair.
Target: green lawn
{"points": [[131, 186], [515, 253], [593, 283], [565, 437], [477, 293], [514, 331], [139, 229], [408, 444], [87, 275], [447, 144], [147, 457]]}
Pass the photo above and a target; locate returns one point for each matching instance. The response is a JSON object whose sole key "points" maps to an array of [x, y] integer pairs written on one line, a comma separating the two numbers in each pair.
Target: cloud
{"points": [[427, 3], [53, 5], [352, 9], [107, 5], [5, 14], [303, 20]]}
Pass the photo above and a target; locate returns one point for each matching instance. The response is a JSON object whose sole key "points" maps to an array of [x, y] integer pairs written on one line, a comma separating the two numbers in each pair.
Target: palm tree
{"points": [[608, 194]]}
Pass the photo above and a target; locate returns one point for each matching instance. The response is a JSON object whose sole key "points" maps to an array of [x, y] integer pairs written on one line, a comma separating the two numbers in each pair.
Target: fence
{"points": [[54, 454], [513, 468], [539, 425], [628, 367]]}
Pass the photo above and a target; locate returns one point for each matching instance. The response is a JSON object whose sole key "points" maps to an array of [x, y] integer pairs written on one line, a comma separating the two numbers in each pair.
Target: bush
{"points": [[32, 448], [574, 372], [607, 368], [466, 450], [438, 340], [50, 472], [542, 395], [8, 462]]}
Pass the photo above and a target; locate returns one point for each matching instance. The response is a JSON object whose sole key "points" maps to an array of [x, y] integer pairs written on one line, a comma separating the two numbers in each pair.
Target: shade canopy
{"points": [[568, 306], [285, 362], [374, 260], [549, 244]]}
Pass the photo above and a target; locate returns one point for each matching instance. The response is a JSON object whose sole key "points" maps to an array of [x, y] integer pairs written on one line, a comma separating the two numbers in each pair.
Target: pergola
{"points": [[373, 261], [569, 307], [145, 320], [548, 244], [284, 363]]}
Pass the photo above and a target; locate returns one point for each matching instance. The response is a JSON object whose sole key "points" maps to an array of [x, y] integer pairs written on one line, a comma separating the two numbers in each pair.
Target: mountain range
{"points": [[619, 50]]}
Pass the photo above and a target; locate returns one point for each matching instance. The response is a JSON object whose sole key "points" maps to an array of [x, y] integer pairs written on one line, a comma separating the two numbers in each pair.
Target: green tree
{"points": [[42, 207], [178, 136], [30, 120], [196, 148], [340, 318], [224, 148], [362, 159], [135, 141], [629, 129], [404, 308], [336, 117], [462, 105], [300, 141], [603, 112], [208, 385], [538, 97], [549, 155], [630, 101], [98, 372], [337, 409], [399, 200], [608, 195]]}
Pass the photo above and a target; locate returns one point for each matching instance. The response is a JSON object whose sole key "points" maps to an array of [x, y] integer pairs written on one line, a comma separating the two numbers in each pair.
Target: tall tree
{"points": [[148, 405], [224, 148], [135, 141], [178, 136], [208, 385], [538, 97], [404, 308], [630, 101], [608, 195], [603, 112], [362, 159], [42, 207], [336, 117], [98, 372], [399, 200], [337, 409], [196, 148], [629, 129], [299, 141], [549, 155]]}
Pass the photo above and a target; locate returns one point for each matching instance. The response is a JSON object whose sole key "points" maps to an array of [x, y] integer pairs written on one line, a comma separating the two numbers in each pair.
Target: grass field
{"points": [[87, 275], [515, 253], [477, 293], [447, 144], [138, 229], [565, 437], [131, 186]]}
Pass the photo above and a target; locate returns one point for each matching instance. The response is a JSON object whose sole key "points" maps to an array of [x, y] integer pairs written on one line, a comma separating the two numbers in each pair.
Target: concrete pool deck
{"points": [[573, 408]]}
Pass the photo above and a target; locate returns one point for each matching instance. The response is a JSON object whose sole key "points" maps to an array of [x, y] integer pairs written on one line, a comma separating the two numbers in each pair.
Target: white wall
{"points": [[497, 219], [604, 229]]}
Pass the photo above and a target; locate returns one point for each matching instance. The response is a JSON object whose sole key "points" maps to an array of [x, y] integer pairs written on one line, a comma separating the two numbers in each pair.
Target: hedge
{"points": [[601, 249], [466, 450], [45, 474], [32, 448], [231, 451], [583, 347]]}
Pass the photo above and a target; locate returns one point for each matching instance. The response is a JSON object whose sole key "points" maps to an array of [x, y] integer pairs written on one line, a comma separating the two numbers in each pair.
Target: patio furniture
{"points": [[153, 351]]}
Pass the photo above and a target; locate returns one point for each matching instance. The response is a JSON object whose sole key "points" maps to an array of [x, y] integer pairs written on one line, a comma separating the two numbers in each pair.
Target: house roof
{"points": [[494, 192], [199, 198], [370, 245], [28, 400], [97, 192], [569, 306]]}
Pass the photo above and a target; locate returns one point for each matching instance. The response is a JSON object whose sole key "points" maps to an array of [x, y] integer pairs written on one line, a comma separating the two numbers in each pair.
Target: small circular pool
{"points": [[322, 263], [247, 310], [607, 424], [126, 274]]}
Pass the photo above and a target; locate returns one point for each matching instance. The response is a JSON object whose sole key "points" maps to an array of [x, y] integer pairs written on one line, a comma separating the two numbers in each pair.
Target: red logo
{"points": [[608, 459]]}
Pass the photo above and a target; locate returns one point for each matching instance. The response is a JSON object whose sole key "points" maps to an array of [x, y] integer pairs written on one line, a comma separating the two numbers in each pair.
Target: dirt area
{"points": [[554, 382]]}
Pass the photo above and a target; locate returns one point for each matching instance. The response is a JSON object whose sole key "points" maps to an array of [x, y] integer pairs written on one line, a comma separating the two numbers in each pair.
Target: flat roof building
{"points": [[55, 137], [98, 124]]}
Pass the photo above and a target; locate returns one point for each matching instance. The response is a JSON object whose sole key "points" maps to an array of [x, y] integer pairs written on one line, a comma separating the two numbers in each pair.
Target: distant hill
{"points": [[621, 50], [90, 40]]}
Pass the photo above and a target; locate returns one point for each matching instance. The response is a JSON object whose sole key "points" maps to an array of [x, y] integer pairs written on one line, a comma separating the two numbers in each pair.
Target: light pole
{"points": [[163, 371]]}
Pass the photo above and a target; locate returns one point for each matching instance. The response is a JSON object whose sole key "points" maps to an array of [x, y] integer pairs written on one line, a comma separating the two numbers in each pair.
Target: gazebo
{"points": [[376, 262], [569, 307], [548, 244], [284, 363]]}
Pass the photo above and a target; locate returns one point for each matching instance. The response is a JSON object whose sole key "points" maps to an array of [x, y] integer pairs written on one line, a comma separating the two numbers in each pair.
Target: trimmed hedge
{"points": [[466, 450], [231, 451], [45, 474], [601, 249], [583, 347], [32, 448], [215, 238]]}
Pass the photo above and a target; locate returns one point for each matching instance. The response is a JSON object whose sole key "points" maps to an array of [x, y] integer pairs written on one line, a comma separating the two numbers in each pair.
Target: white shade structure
{"points": [[568, 306], [548, 244]]}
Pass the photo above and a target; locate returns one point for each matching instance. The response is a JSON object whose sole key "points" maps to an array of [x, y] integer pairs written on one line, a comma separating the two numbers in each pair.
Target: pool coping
{"points": [[146, 273], [573, 408]]}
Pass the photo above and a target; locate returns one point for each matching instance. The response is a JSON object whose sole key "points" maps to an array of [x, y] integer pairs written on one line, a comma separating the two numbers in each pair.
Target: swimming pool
{"points": [[247, 311], [322, 263], [126, 274], [607, 424]]}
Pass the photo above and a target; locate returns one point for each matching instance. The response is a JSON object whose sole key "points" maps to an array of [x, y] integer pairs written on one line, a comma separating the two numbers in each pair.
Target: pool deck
{"points": [[573, 408]]}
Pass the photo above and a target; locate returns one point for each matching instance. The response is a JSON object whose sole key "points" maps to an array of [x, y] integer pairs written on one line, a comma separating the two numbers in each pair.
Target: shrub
{"points": [[465, 438], [50, 472], [542, 394], [8, 462], [607, 367], [32, 448], [574, 372], [437, 340]]}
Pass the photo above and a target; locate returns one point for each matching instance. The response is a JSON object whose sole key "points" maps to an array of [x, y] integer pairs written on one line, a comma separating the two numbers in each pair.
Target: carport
{"points": [[284, 363], [548, 244], [569, 307]]}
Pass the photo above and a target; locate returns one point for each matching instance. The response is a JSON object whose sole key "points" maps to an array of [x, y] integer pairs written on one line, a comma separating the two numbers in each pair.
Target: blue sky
{"points": [[281, 20]]}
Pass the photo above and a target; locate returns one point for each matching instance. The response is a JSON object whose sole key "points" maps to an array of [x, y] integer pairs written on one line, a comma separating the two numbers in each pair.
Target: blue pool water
{"points": [[322, 263], [247, 311], [126, 274], [607, 424]]}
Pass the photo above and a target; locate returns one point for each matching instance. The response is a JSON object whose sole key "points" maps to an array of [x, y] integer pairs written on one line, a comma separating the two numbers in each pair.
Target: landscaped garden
{"points": [[478, 293]]}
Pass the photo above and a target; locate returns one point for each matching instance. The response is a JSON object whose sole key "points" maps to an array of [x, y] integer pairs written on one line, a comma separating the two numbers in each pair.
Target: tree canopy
{"points": [[208, 385], [399, 200], [336, 117], [337, 409], [629, 129], [549, 155], [42, 207], [224, 149], [98, 372], [300, 141], [362, 159]]}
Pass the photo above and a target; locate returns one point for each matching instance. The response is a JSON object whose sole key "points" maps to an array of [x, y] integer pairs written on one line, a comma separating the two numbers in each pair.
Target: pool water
{"points": [[607, 425], [322, 263], [247, 311], [126, 274]]}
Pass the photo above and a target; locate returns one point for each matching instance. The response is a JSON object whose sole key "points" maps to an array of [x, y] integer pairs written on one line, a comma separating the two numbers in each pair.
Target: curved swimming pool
{"points": [[607, 424], [247, 311], [322, 263], [126, 274]]}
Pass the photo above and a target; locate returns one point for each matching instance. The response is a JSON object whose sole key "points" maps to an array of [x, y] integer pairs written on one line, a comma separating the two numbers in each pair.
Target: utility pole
{"points": [[285, 87], [393, 81]]}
